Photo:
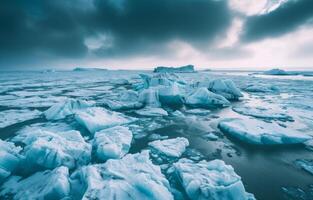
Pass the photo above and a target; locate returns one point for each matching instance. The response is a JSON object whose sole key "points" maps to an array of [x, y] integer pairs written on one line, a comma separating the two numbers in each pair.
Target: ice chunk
{"points": [[198, 111], [264, 113], [261, 88], [125, 101], [150, 97], [258, 132], [171, 95], [305, 164], [96, 118], [210, 180], [9, 158], [68, 107], [49, 149], [152, 112], [132, 177], [10, 117], [203, 98], [226, 88], [182, 69], [42, 185], [112, 142], [171, 147]]}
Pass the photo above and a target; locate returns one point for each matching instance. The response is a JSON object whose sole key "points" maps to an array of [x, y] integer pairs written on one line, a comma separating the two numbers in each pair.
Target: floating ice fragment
{"points": [[152, 112], [41, 185], [112, 142], [258, 132], [226, 88], [305, 164], [10, 117], [210, 180], [132, 177], [97, 118], [171, 147]]}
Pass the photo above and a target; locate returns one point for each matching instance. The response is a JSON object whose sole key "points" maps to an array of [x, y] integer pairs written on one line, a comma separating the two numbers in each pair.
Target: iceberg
{"points": [[87, 69], [258, 132], [132, 177], [152, 112], [49, 149], [41, 185], [68, 107], [203, 98], [305, 164], [9, 158], [263, 113], [10, 117], [226, 88], [170, 147], [112, 142], [97, 118], [182, 69], [276, 71], [210, 180]]}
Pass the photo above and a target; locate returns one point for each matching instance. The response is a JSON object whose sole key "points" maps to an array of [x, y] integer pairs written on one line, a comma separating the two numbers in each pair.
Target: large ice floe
{"points": [[41, 185], [52, 149], [258, 132], [112, 142], [171, 147], [132, 177], [9, 158], [127, 100], [68, 107], [263, 113], [226, 88], [203, 98], [210, 180], [10, 117], [97, 118]]}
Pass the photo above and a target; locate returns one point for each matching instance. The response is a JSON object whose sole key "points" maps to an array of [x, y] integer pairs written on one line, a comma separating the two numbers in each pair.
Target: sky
{"points": [[142, 34]]}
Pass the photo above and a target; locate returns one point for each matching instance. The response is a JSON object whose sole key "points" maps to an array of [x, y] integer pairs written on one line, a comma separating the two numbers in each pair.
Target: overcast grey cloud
{"points": [[35, 33]]}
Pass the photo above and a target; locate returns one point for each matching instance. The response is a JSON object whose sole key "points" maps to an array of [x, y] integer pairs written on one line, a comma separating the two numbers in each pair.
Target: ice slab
{"points": [[150, 97], [41, 185], [171, 147], [305, 164], [97, 118], [203, 98], [52, 149], [262, 88], [210, 180], [198, 111], [127, 100], [9, 158], [152, 112], [258, 132], [112, 142], [132, 177], [172, 95], [68, 107], [226, 88], [263, 112], [10, 117]]}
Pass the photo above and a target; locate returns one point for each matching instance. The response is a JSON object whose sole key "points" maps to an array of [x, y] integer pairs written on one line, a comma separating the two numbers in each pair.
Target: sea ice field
{"points": [[103, 134]]}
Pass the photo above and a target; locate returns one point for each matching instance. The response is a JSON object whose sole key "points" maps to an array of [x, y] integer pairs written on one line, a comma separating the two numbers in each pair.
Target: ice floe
{"points": [[150, 97], [172, 95], [152, 112], [170, 147], [262, 88], [112, 142], [226, 88], [258, 132], [210, 180], [203, 98], [9, 158], [97, 118], [52, 149], [68, 107], [132, 177], [41, 185], [127, 100], [10, 117]]}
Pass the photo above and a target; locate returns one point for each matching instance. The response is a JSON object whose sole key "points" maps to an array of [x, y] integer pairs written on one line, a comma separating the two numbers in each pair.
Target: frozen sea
{"points": [[284, 104]]}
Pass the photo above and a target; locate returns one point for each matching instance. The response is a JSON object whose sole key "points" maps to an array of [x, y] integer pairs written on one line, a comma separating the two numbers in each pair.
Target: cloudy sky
{"points": [[130, 34]]}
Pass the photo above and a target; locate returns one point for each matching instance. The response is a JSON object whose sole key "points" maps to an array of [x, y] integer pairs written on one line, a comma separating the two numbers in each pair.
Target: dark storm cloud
{"points": [[285, 19], [36, 29]]}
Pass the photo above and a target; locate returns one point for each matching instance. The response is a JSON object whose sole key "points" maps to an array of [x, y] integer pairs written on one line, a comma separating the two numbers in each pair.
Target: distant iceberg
{"points": [[182, 69], [276, 71], [84, 69]]}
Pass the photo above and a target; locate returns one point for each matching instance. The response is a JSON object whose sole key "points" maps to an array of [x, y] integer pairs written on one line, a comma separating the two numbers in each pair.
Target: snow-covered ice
{"points": [[52, 149], [10, 117], [258, 132], [170, 147], [112, 142], [203, 98], [132, 177], [97, 118], [48, 184], [9, 158], [210, 180], [68, 107]]}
